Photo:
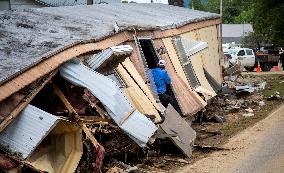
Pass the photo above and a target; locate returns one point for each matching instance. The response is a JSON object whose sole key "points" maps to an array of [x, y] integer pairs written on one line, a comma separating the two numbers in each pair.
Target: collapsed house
{"points": [[65, 70]]}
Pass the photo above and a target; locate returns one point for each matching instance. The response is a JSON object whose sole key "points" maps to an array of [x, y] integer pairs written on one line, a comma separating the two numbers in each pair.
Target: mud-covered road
{"points": [[259, 149]]}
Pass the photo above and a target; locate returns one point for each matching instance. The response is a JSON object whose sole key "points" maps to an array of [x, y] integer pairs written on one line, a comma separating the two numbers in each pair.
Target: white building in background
{"points": [[235, 32]]}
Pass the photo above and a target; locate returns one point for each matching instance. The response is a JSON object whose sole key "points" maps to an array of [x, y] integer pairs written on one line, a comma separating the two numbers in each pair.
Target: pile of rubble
{"points": [[239, 96], [43, 123]]}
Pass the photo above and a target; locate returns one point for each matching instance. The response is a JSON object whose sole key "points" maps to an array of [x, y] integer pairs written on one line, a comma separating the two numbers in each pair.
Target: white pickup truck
{"points": [[245, 56]]}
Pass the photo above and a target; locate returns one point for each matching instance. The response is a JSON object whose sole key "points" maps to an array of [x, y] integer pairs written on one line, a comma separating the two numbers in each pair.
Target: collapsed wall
{"points": [[38, 42]]}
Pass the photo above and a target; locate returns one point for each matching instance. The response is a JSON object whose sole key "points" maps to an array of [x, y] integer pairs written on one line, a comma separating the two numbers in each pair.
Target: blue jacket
{"points": [[161, 79]]}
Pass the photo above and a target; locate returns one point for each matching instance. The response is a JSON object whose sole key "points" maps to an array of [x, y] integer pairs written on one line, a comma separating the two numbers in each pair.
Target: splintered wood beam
{"points": [[94, 120], [25, 102], [70, 108], [101, 112]]}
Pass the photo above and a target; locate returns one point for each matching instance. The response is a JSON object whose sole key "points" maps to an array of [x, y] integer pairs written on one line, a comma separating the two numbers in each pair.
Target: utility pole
{"points": [[221, 7], [221, 13]]}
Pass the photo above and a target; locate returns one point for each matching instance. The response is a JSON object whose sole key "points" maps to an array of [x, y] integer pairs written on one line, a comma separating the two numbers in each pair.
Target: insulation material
{"points": [[43, 140], [135, 125], [136, 95], [210, 56]]}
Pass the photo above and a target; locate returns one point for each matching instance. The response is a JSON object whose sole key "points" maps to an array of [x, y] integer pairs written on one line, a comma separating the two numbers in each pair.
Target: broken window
{"points": [[185, 62], [186, 50], [149, 53]]}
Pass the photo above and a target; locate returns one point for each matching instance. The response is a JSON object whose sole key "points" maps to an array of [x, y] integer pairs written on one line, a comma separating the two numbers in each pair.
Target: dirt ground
{"points": [[258, 149], [211, 135]]}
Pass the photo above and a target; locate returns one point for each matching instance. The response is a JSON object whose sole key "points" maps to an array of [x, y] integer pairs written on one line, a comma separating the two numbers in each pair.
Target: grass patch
{"points": [[274, 84], [231, 128]]}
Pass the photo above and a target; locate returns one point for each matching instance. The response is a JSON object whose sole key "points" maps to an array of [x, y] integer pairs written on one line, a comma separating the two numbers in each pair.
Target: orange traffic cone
{"points": [[277, 68], [258, 67]]}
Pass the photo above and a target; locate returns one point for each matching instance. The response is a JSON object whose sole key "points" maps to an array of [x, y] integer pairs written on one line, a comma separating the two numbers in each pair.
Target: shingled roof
{"points": [[29, 36]]}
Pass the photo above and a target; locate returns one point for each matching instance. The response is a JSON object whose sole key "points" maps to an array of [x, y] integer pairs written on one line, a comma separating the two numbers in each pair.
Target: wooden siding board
{"points": [[136, 95], [175, 60], [136, 59], [197, 64], [127, 64], [186, 98]]}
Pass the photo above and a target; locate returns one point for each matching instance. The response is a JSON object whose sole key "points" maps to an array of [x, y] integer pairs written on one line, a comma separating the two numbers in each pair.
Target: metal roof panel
{"points": [[26, 132]]}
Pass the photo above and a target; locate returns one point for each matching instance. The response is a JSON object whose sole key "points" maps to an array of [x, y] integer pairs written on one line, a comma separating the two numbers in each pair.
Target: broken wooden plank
{"points": [[25, 102], [197, 64], [136, 95], [88, 96], [62, 97], [127, 64], [94, 119], [175, 60]]}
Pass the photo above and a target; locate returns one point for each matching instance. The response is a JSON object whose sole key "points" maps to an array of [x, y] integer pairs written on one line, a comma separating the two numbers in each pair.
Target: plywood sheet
{"points": [[197, 64], [136, 95], [210, 56], [188, 99], [175, 59], [176, 125], [136, 59], [190, 80], [127, 64]]}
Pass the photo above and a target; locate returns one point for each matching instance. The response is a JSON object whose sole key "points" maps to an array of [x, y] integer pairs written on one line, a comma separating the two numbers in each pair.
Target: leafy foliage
{"points": [[253, 40], [267, 16], [269, 20]]}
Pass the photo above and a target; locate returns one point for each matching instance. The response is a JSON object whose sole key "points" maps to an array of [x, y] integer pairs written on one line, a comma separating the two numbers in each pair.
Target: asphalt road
{"points": [[258, 149]]}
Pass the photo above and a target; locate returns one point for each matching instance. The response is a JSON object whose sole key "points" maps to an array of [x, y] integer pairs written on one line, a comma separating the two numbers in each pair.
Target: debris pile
{"points": [[97, 114], [83, 115], [77, 95]]}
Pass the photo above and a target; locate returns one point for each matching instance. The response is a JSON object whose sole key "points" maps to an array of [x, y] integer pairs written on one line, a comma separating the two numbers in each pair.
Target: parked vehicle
{"points": [[267, 58], [243, 55]]}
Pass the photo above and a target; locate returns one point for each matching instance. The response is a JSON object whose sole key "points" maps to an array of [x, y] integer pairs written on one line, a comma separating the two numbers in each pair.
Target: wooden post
{"points": [[62, 97]]}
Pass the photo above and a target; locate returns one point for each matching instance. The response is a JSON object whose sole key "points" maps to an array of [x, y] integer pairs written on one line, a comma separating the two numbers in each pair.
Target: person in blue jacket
{"points": [[162, 80]]}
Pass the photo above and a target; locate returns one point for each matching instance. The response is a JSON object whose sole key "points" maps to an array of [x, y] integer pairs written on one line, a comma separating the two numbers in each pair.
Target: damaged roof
{"points": [[29, 36], [25, 133]]}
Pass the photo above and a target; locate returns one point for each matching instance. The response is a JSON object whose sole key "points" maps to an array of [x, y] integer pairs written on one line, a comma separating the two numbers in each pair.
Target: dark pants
{"points": [[166, 99]]}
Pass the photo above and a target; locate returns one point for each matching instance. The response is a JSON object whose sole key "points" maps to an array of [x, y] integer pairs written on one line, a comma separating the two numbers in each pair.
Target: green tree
{"points": [[197, 4], [253, 40], [231, 8], [268, 20]]}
